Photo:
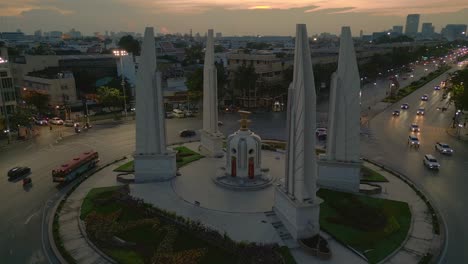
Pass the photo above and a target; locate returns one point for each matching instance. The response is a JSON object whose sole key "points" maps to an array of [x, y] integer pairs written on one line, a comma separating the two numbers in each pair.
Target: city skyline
{"points": [[245, 17]]}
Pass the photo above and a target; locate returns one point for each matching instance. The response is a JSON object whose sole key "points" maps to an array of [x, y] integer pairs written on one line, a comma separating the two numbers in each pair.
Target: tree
{"points": [[245, 79], [194, 54], [21, 118], [222, 78], [195, 84], [110, 97], [130, 44], [37, 99]]}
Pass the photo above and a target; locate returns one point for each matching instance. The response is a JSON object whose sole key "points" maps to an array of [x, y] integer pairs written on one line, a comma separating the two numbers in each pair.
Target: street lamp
{"points": [[120, 54]]}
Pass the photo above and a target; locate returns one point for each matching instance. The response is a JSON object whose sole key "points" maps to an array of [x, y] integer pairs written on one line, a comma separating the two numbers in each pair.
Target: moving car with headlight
{"points": [[414, 128], [396, 113], [443, 148], [405, 106], [437, 87], [431, 162], [420, 111], [413, 141], [424, 97]]}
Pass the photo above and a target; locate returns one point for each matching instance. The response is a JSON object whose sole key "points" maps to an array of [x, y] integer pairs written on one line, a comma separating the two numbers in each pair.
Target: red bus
{"points": [[76, 167]]}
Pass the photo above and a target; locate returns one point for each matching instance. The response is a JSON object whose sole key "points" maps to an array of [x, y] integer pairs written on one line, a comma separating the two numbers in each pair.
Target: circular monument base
{"points": [[244, 184]]}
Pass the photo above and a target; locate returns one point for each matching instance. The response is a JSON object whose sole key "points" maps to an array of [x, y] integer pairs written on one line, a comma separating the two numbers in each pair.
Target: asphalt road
{"points": [[22, 209], [21, 224], [447, 187]]}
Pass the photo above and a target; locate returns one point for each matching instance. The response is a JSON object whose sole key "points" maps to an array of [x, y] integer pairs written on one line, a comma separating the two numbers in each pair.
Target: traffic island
{"points": [[183, 157]]}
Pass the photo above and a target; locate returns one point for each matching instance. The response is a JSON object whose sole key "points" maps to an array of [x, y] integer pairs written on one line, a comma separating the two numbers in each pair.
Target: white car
{"points": [[443, 148], [56, 121], [420, 111], [431, 162], [414, 128], [188, 113]]}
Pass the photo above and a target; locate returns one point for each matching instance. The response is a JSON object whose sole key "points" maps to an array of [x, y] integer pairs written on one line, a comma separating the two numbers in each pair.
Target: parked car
{"points": [[69, 123], [187, 133], [431, 162], [415, 128], [188, 113], [396, 113], [443, 148], [404, 106], [18, 172], [413, 141], [420, 111], [321, 133], [178, 113], [424, 97], [56, 121], [169, 115], [41, 122]]}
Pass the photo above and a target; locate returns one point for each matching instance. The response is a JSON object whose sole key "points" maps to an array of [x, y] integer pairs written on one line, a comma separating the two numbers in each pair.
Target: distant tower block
{"points": [[243, 160], [340, 167], [153, 161], [211, 137], [296, 203]]}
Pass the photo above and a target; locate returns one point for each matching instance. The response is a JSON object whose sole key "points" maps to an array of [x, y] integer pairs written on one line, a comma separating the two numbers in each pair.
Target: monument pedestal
{"points": [[338, 175], [155, 167], [212, 143], [301, 219]]}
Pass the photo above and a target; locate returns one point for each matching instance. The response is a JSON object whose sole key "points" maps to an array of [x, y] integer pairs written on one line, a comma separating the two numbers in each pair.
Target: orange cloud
{"points": [[394, 7], [17, 7]]}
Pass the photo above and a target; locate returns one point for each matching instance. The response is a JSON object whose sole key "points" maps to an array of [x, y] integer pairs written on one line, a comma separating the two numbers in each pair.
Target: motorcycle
{"points": [[77, 129], [27, 181]]}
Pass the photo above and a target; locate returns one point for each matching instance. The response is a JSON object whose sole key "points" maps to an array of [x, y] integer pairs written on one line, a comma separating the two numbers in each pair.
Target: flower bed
{"points": [[158, 236]]}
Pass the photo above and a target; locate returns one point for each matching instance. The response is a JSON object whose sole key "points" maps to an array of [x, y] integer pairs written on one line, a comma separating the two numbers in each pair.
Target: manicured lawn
{"points": [[88, 204], [403, 92], [127, 167], [184, 157], [374, 227], [368, 175], [150, 234]]}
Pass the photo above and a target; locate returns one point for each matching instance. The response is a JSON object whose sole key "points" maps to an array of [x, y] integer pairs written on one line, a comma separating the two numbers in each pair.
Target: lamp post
{"points": [[120, 54]]}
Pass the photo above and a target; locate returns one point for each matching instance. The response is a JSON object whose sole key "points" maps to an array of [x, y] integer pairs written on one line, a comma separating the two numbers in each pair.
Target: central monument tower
{"points": [[153, 161], [296, 203], [211, 137]]}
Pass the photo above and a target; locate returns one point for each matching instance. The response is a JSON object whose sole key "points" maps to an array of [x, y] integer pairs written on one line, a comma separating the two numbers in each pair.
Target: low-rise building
{"points": [[59, 85]]}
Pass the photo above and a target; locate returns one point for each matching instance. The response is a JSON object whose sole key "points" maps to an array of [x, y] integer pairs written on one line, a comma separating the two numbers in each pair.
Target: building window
{"points": [[3, 74], [64, 87]]}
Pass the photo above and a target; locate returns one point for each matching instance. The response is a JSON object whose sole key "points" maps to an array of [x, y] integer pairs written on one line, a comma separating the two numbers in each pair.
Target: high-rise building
{"points": [[219, 35], [7, 88], [454, 31], [412, 24], [397, 30], [427, 30]]}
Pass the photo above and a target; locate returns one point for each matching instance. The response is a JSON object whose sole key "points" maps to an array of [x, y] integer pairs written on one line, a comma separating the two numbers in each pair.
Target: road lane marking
{"points": [[29, 218]]}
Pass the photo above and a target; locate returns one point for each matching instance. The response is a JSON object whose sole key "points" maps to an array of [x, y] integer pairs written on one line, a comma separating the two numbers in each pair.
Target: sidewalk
{"points": [[73, 238], [246, 226], [458, 133]]}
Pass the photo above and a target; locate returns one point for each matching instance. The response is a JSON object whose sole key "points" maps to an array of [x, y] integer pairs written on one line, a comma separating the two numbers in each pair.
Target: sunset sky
{"points": [[231, 17]]}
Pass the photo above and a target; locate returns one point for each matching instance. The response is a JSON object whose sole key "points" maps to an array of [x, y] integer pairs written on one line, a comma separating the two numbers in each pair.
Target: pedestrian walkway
{"points": [[73, 238], [460, 133]]}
